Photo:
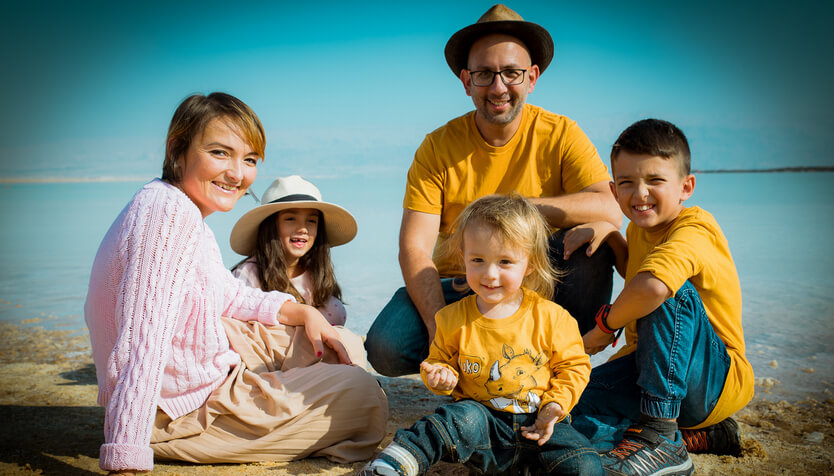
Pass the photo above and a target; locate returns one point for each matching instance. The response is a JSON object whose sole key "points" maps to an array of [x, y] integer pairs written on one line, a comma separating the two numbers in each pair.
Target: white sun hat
{"points": [[292, 192]]}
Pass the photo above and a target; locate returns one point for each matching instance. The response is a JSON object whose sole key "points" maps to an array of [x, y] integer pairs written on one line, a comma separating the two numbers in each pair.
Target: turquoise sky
{"points": [[350, 88]]}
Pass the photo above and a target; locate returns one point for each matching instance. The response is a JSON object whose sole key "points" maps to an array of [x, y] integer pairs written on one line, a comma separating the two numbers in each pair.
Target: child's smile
{"points": [[297, 229], [495, 270], [649, 189]]}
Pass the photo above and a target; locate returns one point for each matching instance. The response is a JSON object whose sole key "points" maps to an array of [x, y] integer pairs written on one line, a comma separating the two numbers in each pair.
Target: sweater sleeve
{"points": [[248, 273], [246, 303], [158, 242]]}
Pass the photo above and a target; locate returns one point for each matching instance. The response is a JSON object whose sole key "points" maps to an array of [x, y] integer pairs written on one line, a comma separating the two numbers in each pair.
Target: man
{"points": [[504, 145]]}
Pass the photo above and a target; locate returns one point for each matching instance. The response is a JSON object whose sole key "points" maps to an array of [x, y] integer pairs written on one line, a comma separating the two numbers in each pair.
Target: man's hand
{"points": [[595, 340], [594, 234], [438, 377], [542, 429]]}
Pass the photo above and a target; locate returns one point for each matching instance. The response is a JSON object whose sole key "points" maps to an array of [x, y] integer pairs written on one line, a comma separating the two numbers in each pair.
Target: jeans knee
{"points": [[381, 356], [465, 421], [579, 462]]}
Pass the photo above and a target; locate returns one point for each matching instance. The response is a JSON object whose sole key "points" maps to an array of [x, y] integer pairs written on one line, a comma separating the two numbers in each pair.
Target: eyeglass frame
{"points": [[497, 73]]}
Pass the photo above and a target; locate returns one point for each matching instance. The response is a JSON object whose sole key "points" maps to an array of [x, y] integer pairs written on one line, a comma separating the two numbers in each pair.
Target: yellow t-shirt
{"points": [[516, 364], [548, 156], [694, 248]]}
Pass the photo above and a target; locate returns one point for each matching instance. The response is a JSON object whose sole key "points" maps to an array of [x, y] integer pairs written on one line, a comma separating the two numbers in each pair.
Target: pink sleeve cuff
{"points": [[116, 457], [268, 311]]}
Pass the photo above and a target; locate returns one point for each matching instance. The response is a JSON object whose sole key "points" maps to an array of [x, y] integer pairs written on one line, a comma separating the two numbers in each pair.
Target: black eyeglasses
{"points": [[510, 77]]}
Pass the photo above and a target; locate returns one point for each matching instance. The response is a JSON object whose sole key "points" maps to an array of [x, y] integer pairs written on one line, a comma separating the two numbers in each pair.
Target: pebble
{"points": [[774, 364], [815, 437], [809, 370]]}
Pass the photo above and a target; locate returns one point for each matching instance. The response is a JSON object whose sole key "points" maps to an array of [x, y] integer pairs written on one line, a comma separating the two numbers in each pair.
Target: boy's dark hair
{"points": [[654, 137]]}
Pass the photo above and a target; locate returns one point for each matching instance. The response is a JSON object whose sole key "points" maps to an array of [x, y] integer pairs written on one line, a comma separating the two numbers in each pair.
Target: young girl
{"points": [[513, 361], [287, 242]]}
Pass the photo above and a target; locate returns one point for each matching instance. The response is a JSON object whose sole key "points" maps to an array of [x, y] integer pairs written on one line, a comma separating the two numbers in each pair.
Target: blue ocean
{"points": [[779, 225]]}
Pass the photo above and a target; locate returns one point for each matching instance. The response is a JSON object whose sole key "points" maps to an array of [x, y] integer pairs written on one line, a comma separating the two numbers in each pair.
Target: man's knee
{"points": [[587, 282], [396, 338]]}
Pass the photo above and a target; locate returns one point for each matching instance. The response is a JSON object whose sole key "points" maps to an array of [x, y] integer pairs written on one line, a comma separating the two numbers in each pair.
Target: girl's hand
{"points": [[542, 429], [439, 377], [594, 234], [595, 340]]}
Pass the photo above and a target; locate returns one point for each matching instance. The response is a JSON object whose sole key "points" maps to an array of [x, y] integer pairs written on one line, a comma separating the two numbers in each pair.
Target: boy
{"points": [[683, 363]]}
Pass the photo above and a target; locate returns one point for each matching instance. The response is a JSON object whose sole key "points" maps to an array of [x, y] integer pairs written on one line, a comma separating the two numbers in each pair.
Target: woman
{"points": [[170, 383]]}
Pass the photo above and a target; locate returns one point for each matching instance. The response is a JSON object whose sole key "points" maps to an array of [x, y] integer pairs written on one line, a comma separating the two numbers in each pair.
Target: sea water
{"points": [[780, 228]]}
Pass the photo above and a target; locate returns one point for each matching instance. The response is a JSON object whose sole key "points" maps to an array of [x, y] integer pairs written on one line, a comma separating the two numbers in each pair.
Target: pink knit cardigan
{"points": [[157, 290]]}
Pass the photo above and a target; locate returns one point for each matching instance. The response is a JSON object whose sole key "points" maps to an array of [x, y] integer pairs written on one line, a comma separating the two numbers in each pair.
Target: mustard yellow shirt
{"points": [[516, 364], [548, 156], [694, 248]]}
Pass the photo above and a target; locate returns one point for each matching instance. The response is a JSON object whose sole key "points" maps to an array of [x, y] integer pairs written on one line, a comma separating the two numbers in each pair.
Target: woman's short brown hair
{"points": [[191, 118]]}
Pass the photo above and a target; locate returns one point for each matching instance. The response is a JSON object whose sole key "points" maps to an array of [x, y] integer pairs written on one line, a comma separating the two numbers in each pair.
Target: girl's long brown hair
{"points": [[272, 265]]}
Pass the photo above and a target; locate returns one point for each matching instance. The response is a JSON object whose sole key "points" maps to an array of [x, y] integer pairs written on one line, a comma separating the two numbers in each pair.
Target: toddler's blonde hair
{"points": [[521, 225]]}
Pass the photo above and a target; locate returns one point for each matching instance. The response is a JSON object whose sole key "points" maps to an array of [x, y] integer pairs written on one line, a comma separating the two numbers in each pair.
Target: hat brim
{"points": [[338, 222], [537, 40]]}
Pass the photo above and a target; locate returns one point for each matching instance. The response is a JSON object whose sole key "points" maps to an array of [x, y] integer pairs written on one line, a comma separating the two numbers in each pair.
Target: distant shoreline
{"points": [[775, 169], [7, 180], [19, 180]]}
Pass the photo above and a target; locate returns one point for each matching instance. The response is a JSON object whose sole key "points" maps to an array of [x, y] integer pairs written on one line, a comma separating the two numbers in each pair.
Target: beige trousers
{"points": [[281, 404]]}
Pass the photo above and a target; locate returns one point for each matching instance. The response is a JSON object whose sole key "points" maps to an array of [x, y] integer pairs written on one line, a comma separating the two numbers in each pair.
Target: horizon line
{"points": [[141, 178]]}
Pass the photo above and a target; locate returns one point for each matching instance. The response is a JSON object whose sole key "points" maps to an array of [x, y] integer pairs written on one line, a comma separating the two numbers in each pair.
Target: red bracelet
{"points": [[602, 319]]}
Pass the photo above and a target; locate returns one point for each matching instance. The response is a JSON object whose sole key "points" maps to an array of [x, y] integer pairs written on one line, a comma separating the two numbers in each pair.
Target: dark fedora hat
{"points": [[500, 19]]}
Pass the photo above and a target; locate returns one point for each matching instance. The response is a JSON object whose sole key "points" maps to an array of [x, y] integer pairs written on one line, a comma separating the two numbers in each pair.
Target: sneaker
{"points": [[723, 438], [372, 469], [645, 452]]}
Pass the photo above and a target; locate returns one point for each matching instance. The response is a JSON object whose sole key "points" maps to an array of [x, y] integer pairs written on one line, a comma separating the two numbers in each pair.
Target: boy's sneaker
{"points": [[723, 438], [646, 452], [372, 469]]}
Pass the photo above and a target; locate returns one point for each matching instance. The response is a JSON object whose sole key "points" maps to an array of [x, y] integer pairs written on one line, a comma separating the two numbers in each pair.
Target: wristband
{"points": [[602, 319]]}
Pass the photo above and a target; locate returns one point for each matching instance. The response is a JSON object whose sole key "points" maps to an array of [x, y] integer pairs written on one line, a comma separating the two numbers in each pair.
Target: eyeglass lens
{"points": [[510, 77]]}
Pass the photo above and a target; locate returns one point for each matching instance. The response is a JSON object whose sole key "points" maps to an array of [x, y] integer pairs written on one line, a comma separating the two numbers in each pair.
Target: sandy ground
{"points": [[50, 424]]}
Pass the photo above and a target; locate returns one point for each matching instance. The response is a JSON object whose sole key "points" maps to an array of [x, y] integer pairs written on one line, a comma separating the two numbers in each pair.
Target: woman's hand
{"points": [[594, 234], [439, 377], [318, 330]]}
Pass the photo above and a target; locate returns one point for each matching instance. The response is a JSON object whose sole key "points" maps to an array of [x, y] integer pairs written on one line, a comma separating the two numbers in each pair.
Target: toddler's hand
{"points": [[439, 377], [542, 429]]}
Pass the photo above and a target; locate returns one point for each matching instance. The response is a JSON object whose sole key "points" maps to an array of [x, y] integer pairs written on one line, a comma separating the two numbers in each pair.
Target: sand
{"points": [[50, 424]]}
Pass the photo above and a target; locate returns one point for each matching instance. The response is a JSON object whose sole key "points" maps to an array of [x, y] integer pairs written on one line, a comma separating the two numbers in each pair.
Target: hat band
{"points": [[298, 197]]}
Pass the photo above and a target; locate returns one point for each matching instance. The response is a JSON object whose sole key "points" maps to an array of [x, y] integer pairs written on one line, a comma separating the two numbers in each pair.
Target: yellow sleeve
{"points": [[424, 184], [679, 257], [581, 164], [570, 366], [442, 352]]}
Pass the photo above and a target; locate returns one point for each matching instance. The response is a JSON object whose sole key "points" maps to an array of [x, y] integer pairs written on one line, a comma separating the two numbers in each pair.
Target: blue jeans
{"points": [[490, 441], [677, 372], [398, 340]]}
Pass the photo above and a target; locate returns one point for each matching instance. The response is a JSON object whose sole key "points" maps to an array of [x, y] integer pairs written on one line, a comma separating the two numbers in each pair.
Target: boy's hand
{"points": [[595, 340], [439, 377], [594, 234], [542, 429]]}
